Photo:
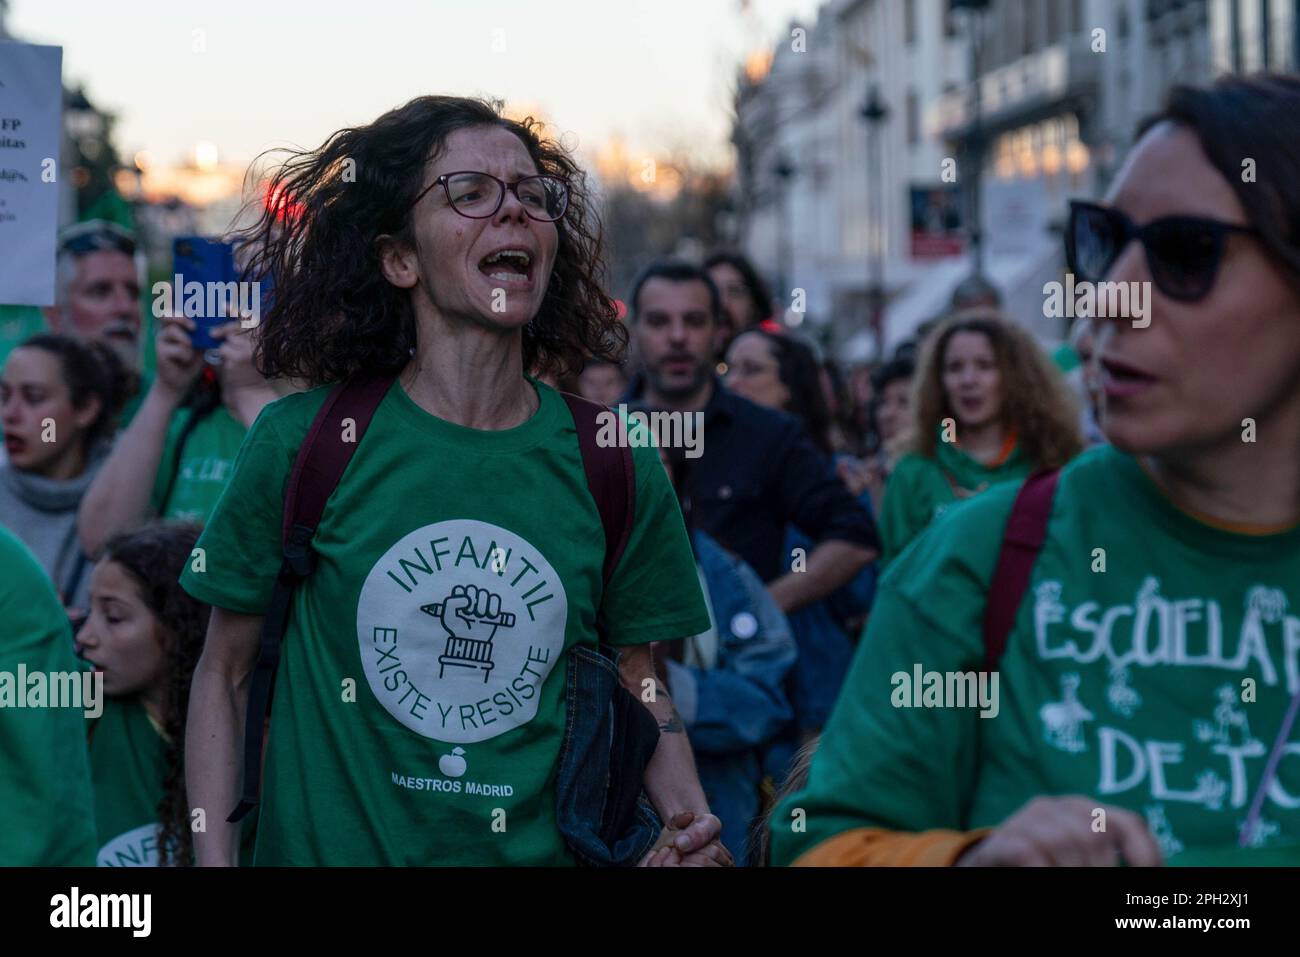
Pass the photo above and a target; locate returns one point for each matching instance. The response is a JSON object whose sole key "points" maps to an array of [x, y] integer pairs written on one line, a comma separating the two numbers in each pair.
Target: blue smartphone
{"points": [[211, 263]]}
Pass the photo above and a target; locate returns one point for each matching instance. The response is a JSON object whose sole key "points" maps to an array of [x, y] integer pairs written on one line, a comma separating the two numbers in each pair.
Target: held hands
{"points": [[689, 840], [1059, 831]]}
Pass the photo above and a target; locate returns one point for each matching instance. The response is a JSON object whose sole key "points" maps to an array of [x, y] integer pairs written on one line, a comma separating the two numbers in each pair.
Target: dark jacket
{"points": [[758, 473]]}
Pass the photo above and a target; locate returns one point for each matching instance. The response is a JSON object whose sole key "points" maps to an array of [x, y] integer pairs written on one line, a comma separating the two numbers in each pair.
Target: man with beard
{"points": [[758, 470], [98, 294]]}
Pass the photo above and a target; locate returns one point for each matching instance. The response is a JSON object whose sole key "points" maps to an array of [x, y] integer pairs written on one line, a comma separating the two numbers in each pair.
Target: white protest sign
{"points": [[31, 117]]}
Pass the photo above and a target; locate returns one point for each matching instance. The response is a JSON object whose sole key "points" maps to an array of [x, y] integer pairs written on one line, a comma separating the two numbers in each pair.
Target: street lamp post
{"points": [[784, 171], [875, 113], [975, 10]]}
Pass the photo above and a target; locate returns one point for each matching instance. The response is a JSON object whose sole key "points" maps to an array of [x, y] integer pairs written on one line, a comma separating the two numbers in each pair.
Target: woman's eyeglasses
{"points": [[479, 195], [1183, 252]]}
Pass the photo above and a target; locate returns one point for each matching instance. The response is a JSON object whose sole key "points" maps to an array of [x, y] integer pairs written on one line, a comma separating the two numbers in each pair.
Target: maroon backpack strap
{"points": [[1023, 540], [327, 449], [317, 468], [611, 478]]}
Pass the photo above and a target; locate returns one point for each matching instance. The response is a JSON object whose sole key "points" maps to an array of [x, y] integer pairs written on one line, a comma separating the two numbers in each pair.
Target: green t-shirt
{"points": [[1150, 666], [920, 488], [127, 764], [46, 806], [17, 325], [409, 727], [206, 465]]}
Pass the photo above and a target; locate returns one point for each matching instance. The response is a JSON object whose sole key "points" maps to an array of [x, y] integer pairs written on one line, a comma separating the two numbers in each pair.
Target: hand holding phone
{"points": [[204, 273]]}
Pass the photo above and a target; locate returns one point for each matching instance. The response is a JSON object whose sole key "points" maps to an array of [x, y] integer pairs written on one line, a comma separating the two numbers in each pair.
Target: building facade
{"points": [[1062, 88]]}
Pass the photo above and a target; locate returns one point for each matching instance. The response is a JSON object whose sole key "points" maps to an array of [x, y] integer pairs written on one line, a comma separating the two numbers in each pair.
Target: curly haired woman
{"points": [[459, 560], [987, 407]]}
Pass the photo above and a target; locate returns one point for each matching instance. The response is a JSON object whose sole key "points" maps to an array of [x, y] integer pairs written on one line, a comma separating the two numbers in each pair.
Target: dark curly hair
{"points": [[800, 373], [154, 557], [90, 369], [334, 315]]}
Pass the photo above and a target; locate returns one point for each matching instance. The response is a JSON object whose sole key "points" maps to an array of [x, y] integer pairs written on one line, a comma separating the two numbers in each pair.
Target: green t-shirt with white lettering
{"points": [[206, 464], [127, 764], [920, 488], [419, 705], [46, 805], [1150, 666]]}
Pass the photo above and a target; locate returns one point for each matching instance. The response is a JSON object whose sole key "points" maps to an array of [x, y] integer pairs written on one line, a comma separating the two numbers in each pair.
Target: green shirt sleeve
{"points": [[46, 802], [241, 541], [654, 594], [906, 509], [883, 764]]}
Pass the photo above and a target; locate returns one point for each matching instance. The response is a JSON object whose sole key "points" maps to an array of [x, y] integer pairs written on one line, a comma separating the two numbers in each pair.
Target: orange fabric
{"points": [[877, 847], [1004, 453]]}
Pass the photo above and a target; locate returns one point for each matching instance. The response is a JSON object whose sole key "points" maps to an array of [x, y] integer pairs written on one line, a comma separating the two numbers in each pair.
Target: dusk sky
{"points": [[273, 72]]}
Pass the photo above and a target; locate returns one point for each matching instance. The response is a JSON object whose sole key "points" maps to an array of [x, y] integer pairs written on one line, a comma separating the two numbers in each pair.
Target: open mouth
{"points": [[14, 444], [508, 266], [1121, 380]]}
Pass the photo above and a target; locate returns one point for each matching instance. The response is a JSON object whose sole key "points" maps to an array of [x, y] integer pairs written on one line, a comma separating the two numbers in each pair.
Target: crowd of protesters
{"points": [[390, 500]]}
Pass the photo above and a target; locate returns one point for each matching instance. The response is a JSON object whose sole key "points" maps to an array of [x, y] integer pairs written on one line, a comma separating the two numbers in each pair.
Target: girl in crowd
{"points": [[782, 373], [745, 298], [988, 407], [461, 262], [144, 635], [889, 414], [603, 382], [1148, 669], [60, 398]]}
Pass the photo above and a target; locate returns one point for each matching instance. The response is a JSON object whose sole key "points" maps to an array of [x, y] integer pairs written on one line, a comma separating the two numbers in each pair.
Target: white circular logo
{"points": [[135, 848], [459, 623]]}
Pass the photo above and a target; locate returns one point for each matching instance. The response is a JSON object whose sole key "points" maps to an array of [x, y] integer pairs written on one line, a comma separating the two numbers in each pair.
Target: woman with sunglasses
{"points": [[988, 407], [419, 708], [1150, 676]]}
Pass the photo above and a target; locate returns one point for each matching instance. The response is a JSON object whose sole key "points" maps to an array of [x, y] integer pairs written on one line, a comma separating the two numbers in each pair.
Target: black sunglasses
{"points": [[478, 195], [1183, 252], [99, 237]]}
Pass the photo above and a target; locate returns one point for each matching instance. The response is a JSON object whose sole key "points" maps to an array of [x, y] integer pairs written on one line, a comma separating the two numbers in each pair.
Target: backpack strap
{"points": [[611, 479], [320, 463], [1023, 540]]}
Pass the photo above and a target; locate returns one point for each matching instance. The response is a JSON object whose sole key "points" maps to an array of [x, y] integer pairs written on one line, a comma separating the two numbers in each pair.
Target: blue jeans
{"points": [[609, 738]]}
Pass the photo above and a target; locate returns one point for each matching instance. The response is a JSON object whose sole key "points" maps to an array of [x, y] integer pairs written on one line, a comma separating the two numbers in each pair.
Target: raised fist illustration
{"points": [[470, 612]]}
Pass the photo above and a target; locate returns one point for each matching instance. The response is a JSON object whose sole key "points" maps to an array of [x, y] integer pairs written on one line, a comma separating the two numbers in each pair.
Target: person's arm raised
{"points": [[118, 498], [214, 735]]}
